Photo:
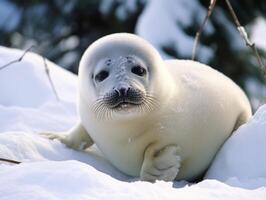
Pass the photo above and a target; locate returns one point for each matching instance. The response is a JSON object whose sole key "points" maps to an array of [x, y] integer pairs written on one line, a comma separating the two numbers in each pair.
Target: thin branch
{"points": [[17, 60], [198, 34], [45, 65], [47, 71], [232, 12], [244, 35], [10, 161]]}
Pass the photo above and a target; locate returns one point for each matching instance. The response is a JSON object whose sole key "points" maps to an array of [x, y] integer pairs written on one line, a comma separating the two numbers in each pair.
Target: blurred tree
{"points": [[238, 63], [61, 30]]}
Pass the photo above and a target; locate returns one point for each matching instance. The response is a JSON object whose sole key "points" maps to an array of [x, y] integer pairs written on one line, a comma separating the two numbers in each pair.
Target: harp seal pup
{"points": [[156, 119]]}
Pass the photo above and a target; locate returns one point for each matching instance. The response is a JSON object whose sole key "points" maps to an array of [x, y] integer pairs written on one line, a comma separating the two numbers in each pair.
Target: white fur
{"points": [[198, 110]]}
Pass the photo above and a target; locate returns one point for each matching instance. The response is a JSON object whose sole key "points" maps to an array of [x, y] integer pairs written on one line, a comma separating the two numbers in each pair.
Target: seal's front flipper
{"points": [[77, 138], [162, 164]]}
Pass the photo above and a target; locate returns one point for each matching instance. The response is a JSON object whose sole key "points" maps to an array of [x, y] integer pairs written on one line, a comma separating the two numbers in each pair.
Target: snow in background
{"points": [[52, 171], [162, 23], [257, 91], [259, 33]]}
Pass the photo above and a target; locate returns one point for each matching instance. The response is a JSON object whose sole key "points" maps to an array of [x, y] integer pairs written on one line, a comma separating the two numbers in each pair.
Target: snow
{"points": [[81, 181], [259, 32], [255, 88], [243, 155], [50, 170], [162, 23], [28, 78], [257, 92]]}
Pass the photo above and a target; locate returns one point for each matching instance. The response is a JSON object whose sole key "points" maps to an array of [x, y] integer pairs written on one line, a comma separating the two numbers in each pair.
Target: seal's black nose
{"points": [[123, 91]]}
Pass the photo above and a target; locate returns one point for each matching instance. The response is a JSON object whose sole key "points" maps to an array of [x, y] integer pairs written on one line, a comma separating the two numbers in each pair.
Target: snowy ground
{"points": [[52, 171]]}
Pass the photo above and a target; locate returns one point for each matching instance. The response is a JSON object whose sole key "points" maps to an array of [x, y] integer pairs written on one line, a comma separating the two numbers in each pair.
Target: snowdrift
{"points": [[49, 170]]}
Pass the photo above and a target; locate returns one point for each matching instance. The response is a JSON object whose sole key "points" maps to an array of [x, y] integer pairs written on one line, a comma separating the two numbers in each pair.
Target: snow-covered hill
{"points": [[52, 171]]}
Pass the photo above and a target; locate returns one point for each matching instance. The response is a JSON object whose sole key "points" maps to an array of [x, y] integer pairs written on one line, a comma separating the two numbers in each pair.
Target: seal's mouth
{"points": [[125, 105], [124, 100]]}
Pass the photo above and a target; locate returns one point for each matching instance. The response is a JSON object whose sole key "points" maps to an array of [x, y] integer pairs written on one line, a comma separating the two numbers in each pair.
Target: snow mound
{"points": [[49, 170], [243, 154], [26, 84]]}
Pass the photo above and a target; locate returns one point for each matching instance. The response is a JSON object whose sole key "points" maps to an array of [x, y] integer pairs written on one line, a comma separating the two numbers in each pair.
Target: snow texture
{"points": [[52, 171], [246, 158]]}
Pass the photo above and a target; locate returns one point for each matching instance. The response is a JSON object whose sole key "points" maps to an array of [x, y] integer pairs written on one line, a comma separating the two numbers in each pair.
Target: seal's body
{"points": [[152, 118]]}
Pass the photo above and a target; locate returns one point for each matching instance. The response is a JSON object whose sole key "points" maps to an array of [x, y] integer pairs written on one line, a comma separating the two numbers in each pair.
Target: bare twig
{"points": [[10, 161], [47, 71], [45, 65], [17, 60], [232, 12], [198, 34], [244, 35]]}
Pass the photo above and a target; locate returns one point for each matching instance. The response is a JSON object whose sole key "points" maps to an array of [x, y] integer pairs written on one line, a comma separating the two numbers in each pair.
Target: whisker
{"points": [[102, 110]]}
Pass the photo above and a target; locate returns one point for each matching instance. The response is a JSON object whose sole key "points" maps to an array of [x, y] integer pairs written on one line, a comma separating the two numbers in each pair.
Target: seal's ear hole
{"points": [[138, 70], [101, 75]]}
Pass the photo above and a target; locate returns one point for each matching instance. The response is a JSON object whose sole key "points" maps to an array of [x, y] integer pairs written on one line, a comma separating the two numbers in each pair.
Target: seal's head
{"points": [[116, 76]]}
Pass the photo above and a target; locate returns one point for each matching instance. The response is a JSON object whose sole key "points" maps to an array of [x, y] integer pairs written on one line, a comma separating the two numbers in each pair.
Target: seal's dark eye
{"points": [[138, 70], [101, 76]]}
